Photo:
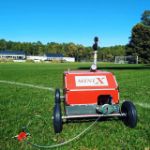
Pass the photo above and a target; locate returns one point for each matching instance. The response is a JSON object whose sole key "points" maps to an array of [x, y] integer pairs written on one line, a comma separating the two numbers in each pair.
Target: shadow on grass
{"points": [[121, 67]]}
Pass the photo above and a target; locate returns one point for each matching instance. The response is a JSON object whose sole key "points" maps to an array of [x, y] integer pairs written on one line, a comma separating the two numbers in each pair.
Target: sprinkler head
{"points": [[95, 45], [96, 39]]}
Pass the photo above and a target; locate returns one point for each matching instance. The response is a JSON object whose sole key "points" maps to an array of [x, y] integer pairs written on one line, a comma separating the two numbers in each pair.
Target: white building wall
{"points": [[69, 59], [40, 58], [55, 58]]}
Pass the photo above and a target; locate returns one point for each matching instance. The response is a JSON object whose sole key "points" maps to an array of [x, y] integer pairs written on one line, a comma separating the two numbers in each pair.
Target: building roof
{"points": [[54, 55], [10, 52]]}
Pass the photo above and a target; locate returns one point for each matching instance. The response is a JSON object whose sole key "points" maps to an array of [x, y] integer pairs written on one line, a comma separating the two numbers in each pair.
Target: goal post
{"points": [[126, 59]]}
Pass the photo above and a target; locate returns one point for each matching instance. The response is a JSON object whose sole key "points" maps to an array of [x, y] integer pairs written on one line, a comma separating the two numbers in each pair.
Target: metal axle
{"points": [[94, 116]]}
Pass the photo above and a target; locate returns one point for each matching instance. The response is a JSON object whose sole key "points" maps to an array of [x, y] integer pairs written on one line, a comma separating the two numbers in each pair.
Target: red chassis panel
{"points": [[84, 87]]}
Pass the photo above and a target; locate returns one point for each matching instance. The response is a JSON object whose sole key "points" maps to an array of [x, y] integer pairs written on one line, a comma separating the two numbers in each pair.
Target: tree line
{"points": [[80, 52]]}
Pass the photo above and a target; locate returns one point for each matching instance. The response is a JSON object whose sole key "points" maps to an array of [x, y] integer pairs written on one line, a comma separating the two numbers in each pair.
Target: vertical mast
{"points": [[95, 47]]}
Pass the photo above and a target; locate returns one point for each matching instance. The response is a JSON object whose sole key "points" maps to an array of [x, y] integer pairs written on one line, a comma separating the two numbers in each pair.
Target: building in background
{"points": [[37, 58], [69, 59], [54, 57], [18, 56], [15, 55], [46, 57]]}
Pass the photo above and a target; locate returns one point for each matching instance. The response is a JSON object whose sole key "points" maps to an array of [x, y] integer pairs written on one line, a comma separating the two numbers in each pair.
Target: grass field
{"points": [[22, 105]]}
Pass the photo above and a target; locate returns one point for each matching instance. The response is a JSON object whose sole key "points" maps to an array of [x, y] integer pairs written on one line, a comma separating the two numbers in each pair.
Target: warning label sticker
{"points": [[91, 81]]}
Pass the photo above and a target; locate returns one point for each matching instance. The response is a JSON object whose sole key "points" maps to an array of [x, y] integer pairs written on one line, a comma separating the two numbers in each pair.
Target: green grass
{"points": [[19, 105]]}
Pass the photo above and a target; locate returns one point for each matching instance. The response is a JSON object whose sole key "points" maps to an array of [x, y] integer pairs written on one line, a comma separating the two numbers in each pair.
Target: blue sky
{"points": [[75, 21]]}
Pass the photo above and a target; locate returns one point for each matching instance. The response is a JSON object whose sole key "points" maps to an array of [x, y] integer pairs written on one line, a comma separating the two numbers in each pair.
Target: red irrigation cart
{"points": [[91, 94]]}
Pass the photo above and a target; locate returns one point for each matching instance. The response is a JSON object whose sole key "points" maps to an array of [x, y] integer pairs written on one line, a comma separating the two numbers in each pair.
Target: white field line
{"points": [[144, 105], [27, 85]]}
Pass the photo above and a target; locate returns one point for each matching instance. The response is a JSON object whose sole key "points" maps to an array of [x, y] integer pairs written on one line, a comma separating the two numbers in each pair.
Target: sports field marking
{"points": [[144, 105], [27, 85]]}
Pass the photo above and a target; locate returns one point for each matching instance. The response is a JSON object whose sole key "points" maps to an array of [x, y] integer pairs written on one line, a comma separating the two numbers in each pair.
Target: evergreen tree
{"points": [[146, 18], [139, 44]]}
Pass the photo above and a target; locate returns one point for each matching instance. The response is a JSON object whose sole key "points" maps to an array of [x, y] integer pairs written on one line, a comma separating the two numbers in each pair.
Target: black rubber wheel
{"points": [[57, 96], [57, 120], [129, 109]]}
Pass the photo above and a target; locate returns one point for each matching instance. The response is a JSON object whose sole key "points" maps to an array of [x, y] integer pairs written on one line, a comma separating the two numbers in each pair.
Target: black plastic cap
{"points": [[96, 39], [95, 45]]}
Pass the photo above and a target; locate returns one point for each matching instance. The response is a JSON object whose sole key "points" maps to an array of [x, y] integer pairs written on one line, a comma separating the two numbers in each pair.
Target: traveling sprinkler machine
{"points": [[91, 94]]}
